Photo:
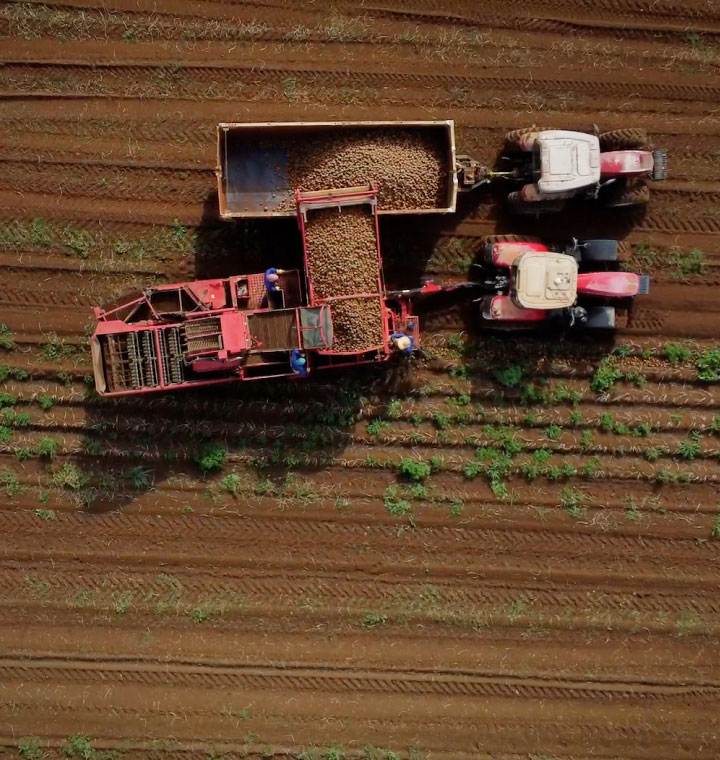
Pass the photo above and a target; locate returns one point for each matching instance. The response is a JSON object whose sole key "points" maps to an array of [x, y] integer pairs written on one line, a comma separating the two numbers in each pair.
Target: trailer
{"points": [[261, 165]]}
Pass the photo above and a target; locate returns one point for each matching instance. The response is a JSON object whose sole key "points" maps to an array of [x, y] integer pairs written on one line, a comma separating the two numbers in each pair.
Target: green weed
{"points": [[56, 350], [591, 467], [10, 482], [7, 338], [707, 364], [47, 447], [46, 401], [687, 264], [230, 483], [604, 377], [441, 420], [16, 419], [393, 503], [652, 454], [553, 432], [7, 399], [70, 476], [377, 426], [571, 501], [632, 513], [715, 530], [78, 746], [687, 450], [45, 514], [510, 376], [210, 458], [373, 619], [29, 748], [456, 507], [414, 469], [140, 478], [676, 354]]}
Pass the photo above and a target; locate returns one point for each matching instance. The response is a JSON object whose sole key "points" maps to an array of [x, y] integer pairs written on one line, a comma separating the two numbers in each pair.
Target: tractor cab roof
{"points": [[568, 160], [545, 280]]}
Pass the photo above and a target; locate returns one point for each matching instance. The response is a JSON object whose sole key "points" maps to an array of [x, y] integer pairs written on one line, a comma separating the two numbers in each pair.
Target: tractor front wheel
{"points": [[597, 251], [624, 139], [533, 208], [600, 318], [632, 193]]}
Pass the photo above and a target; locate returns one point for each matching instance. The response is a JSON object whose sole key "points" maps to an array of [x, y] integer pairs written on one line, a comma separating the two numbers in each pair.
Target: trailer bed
{"points": [[261, 165]]}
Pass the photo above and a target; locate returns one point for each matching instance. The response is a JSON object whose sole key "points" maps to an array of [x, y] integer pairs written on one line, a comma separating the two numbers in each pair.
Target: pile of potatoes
{"points": [[357, 324], [408, 167], [342, 251]]}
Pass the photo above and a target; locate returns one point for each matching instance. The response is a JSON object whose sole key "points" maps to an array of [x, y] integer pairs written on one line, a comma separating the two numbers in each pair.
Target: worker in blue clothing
{"points": [[272, 276], [403, 342], [298, 362]]}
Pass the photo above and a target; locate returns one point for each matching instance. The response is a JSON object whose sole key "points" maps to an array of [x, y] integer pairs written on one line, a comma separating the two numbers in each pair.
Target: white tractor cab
{"points": [[558, 164], [580, 286]]}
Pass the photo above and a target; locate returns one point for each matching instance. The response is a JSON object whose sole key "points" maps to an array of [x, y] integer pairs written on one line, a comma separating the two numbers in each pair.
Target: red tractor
{"points": [[579, 286], [555, 165]]}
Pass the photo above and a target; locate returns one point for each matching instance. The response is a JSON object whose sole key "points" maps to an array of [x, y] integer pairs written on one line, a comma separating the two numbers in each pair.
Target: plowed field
{"points": [[509, 549]]}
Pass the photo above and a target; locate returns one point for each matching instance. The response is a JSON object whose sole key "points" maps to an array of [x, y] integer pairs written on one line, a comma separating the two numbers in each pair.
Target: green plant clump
{"points": [[414, 469], [70, 476], [510, 376], [29, 748], [707, 365], [393, 503], [7, 339], [211, 458], [605, 376], [78, 746]]}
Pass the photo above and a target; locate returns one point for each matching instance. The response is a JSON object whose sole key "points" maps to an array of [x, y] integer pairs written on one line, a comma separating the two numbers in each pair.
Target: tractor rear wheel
{"points": [[512, 138], [624, 139], [632, 193], [492, 239], [489, 241]]}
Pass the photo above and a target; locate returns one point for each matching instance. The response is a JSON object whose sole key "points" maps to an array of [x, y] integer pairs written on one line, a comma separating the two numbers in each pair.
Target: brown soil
{"points": [[306, 597]]}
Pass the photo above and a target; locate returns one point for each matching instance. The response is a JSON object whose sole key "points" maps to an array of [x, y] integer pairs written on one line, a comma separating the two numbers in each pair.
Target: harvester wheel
{"points": [[624, 139], [633, 193], [512, 138]]}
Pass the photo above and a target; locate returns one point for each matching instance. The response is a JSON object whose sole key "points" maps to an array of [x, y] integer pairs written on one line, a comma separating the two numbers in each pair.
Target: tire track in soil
{"points": [[122, 181], [335, 679], [519, 602], [82, 72], [217, 729], [616, 15]]}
